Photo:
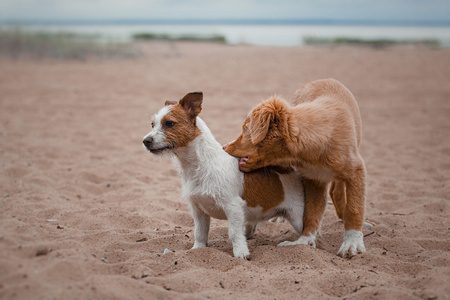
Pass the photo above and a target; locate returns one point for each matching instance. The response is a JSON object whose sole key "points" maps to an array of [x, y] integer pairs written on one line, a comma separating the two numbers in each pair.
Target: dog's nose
{"points": [[148, 141]]}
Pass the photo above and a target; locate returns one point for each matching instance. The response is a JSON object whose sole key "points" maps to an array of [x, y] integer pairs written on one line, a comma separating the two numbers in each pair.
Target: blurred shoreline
{"points": [[259, 33]]}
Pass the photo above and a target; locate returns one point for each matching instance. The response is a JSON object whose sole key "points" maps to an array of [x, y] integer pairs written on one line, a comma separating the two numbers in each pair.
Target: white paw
{"points": [[367, 225], [287, 243], [303, 240], [198, 245], [241, 252], [353, 243]]}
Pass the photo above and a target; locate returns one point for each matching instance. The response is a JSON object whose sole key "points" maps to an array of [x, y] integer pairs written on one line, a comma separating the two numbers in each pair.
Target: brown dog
{"points": [[319, 137]]}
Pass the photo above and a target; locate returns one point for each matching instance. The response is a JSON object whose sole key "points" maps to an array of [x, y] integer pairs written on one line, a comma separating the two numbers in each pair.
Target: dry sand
{"points": [[86, 213]]}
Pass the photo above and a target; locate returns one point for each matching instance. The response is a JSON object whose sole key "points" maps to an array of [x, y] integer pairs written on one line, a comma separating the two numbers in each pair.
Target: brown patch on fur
{"points": [[192, 103], [183, 116], [263, 188], [320, 136]]}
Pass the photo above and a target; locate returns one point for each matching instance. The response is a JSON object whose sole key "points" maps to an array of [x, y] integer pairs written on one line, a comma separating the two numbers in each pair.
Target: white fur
{"points": [[157, 133], [303, 240], [353, 243], [213, 185]]}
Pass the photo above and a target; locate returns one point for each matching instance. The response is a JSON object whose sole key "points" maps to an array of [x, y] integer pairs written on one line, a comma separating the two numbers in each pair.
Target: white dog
{"points": [[212, 183]]}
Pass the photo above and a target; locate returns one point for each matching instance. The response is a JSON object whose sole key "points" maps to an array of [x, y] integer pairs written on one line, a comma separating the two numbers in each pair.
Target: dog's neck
{"points": [[204, 166], [305, 139], [201, 151]]}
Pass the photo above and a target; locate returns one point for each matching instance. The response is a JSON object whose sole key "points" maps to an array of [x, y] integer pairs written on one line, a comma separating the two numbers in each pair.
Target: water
{"points": [[267, 35]]}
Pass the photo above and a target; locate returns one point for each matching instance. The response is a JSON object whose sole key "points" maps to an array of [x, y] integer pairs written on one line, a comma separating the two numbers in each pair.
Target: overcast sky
{"points": [[379, 10]]}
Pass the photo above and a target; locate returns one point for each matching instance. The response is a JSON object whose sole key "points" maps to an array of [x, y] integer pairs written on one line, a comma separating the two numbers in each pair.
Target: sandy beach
{"points": [[86, 212]]}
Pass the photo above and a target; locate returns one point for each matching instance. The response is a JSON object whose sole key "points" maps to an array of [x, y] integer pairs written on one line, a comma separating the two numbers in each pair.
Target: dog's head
{"points": [[174, 125], [262, 141]]}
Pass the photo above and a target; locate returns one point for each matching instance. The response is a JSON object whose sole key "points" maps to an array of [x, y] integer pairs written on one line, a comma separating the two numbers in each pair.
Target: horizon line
{"points": [[225, 21]]}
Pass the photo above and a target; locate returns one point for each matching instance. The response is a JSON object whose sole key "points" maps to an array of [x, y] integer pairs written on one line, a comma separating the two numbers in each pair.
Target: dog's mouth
{"points": [[158, 151], [162, 149], [243, 163], [248, 164], [243, 160]]}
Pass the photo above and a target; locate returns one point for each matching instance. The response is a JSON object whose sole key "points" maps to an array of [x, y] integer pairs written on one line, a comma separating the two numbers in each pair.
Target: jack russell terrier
{"points": [[212, 183]]}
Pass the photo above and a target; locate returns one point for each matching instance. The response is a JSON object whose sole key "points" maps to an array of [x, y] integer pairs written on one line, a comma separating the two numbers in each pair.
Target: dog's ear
{"points": [[192, 103], [259, 123], [168, 102]]}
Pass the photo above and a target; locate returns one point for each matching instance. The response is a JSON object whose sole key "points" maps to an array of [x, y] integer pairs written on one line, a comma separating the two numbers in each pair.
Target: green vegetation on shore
{"points": [[186, 37], [376, 43], [18, 43]]}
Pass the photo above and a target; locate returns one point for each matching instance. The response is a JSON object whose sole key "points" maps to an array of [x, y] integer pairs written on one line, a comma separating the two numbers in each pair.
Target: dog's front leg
{"points": [[201, 227], [235, 213]]}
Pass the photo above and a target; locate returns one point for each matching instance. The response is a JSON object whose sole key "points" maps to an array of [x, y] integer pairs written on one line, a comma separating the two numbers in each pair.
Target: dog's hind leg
{"points": [[201, 227], [250, 229], [337, 195], [295, 216], [354, 211], [315, 203], [235, 213]]}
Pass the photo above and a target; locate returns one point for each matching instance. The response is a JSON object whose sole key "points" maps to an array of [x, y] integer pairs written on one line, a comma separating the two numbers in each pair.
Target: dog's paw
{"points": [[242, 253], [303, 240], [198, 245], [353, 243], [287, 243], [367, 225]]}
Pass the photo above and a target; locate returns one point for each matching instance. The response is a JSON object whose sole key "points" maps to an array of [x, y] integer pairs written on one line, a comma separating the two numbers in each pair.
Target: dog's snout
{"points": [[148, 141]]}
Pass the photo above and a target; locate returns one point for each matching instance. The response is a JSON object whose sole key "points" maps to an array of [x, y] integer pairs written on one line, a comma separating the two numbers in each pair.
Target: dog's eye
{"points": [[169, 124], [153, 124]]}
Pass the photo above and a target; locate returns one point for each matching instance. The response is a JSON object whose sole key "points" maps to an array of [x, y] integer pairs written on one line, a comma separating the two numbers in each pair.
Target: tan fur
{"points": [[320, 138]]}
